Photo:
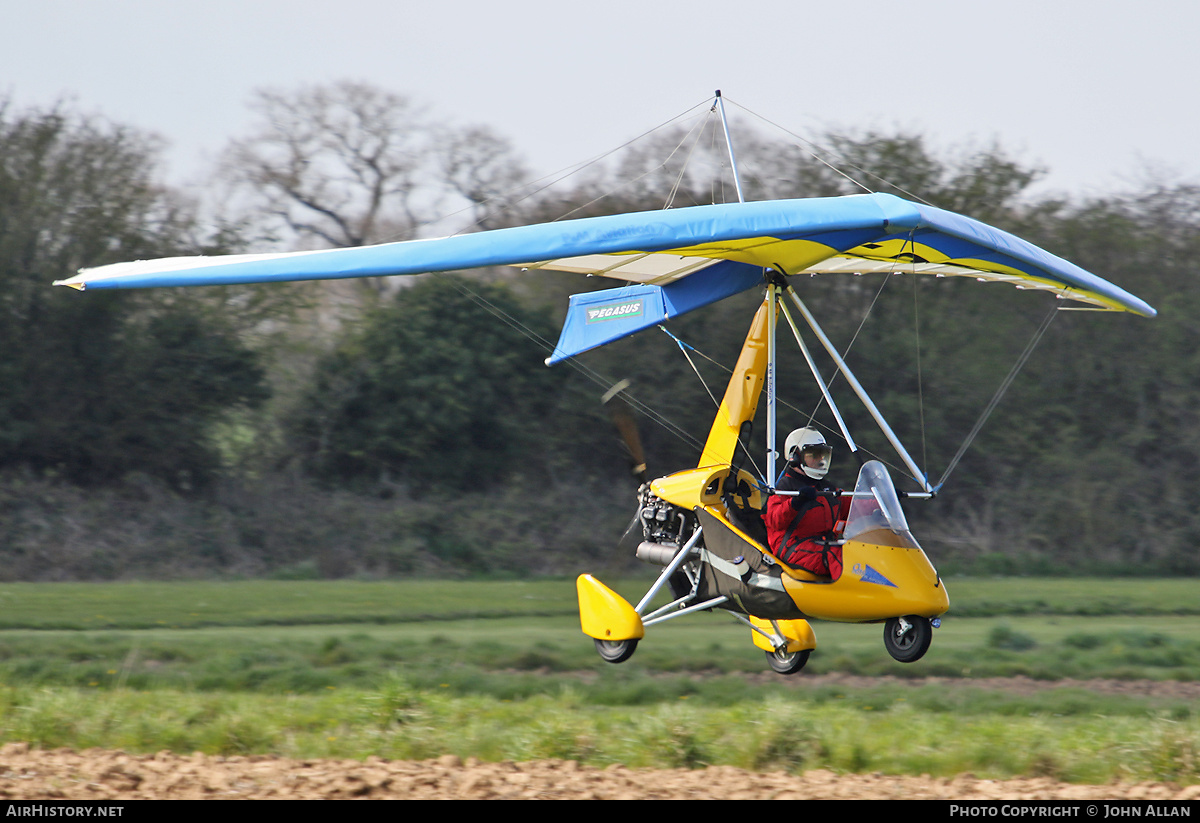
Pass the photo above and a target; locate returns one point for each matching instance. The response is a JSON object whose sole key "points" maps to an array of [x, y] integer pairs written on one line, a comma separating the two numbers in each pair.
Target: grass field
{"points": [[282, 603], [500, 670]]}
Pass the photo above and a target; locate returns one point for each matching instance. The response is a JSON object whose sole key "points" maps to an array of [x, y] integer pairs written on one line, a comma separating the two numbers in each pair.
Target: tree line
{"points": [[407, 425]]}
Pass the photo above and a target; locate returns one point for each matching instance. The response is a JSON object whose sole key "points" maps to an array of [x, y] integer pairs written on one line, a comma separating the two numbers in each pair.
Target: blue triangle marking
{"points": [[869, 575]]}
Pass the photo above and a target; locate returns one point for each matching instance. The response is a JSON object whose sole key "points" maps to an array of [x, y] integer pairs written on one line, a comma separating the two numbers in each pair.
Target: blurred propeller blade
{"points": [[621, 414]]}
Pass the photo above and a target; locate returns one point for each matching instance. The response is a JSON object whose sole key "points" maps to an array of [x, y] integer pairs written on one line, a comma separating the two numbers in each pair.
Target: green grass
{"points": [[880, 732], [292, 603], [496, 654], [986, 597], [271, 602], [305, 636], [500, 670]]}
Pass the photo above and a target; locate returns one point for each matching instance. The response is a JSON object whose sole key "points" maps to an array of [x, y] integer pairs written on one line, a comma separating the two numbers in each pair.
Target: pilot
{"points": [[797, 524]]}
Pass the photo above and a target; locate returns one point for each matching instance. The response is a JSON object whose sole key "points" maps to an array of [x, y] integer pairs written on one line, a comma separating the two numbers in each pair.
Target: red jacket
{"points": [[794, 524]]}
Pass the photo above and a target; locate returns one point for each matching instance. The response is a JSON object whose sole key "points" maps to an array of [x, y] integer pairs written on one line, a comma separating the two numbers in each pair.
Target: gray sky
{"points": [[1092, 90]]}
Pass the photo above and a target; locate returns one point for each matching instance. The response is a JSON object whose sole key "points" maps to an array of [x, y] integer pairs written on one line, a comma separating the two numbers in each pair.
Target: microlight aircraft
{"points": [[703, 525]]}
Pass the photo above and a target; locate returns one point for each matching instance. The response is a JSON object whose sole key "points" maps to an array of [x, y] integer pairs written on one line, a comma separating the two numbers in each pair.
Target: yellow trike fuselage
{"points": [[885, 574], [878, 581]]}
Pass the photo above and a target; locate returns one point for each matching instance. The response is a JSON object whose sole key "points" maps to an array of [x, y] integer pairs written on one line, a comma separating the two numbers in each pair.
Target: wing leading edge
{"points": [[676, 260]]}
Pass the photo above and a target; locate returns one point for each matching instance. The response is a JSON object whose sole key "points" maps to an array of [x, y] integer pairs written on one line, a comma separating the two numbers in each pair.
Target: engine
{"points": [[663, 523]]}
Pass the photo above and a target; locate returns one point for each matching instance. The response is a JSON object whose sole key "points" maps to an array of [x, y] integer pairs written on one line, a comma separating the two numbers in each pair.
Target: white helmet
{"points": [[809, 443]]}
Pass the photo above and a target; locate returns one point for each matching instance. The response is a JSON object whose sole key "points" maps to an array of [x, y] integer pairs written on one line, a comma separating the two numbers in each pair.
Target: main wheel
{"points": [[788, 662], [907, 638], [615, 651]]}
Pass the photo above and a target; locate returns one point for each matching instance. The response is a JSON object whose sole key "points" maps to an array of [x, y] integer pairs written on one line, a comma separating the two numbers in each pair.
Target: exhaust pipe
{"points": [[657, 554]]}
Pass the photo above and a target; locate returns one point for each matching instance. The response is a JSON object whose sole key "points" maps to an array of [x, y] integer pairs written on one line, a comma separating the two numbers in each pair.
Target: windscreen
{"points": [[876, 505]]}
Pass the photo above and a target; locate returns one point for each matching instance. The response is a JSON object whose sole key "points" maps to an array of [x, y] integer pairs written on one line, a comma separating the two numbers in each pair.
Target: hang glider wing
{"points": [[675, 260]]}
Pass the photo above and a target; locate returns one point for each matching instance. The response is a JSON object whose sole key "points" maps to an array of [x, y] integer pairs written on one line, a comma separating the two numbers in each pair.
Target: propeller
{"points": [[621, 414]]}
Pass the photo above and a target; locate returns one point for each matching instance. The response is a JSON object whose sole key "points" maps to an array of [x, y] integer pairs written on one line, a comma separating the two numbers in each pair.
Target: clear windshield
{"points": [[876, 505]]}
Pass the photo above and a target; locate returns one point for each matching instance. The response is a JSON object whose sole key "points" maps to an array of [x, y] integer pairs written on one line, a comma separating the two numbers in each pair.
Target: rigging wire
{"points": [[623, 184], [716, 188], [591, 374], [684, 347], [813, 154], [545, 182], [783, 402], [698, 129], [1012, 374], [861, 323]]}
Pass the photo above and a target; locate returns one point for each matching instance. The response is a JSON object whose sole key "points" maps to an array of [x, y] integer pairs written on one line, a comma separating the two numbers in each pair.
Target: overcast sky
{"points": [[1092, 90]]}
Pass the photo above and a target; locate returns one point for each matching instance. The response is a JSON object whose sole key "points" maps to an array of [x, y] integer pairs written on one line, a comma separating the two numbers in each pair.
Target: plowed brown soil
{"points": [[27, 774]]}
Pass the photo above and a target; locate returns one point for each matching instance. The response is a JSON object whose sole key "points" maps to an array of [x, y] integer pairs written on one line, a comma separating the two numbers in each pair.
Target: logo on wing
{"points": [[616, 311]]}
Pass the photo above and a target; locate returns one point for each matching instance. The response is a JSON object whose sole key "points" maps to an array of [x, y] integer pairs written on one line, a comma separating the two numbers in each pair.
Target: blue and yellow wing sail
{"points": [[675, 260]]}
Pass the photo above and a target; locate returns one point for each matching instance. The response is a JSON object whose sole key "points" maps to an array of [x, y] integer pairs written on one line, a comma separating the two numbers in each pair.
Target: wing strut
{"points": [[917, 474], [773, 304], [812, 366]]}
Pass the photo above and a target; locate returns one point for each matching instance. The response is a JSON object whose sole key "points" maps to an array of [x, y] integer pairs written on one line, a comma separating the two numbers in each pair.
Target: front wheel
{"points": [[783, 662], [615, 651], [907, 638]]}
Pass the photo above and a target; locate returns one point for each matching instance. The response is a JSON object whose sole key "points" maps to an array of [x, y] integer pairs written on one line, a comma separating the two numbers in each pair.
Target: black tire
{"points": [[907, 642], [788, 662], [615, 651]]}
